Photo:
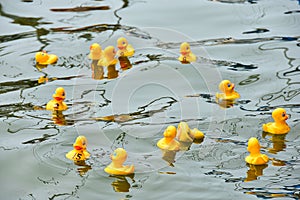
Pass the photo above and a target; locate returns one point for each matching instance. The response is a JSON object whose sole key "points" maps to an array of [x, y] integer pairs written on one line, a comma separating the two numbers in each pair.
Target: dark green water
{"points": [[255, 44]]}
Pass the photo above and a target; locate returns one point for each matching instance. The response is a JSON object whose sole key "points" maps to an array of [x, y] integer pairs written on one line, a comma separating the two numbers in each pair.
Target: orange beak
{"points": [[78, 147]]}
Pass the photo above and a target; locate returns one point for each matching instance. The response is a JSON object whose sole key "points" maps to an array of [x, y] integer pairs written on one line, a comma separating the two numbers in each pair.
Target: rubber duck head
{"points": [[60, 94], [119, 157], [122, 43], [80, 143], [95, 51], [170, 132], [185, 48], [253, 145], [226, 86], [279, 115], [44, 59], [110, 52]]}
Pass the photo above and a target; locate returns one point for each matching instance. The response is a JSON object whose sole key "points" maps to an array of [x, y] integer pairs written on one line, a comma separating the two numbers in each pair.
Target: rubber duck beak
{"points": [[78, 147], [184, 53], [121, 47], [59, 98]]}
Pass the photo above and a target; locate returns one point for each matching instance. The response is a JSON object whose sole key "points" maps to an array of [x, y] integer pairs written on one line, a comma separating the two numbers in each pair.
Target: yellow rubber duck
{"points": [[58, 100], [183, 132], [169, 142], [96, 52], [125, 49], [197, 134], [279, 126], [116, 167], [79, 153], [43, 58], [186, 54], [108, 57], [255, 157], [227, 89]]}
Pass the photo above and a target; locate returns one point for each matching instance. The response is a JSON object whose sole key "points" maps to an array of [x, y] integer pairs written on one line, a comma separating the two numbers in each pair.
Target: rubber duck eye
{"points": [[63, 94], [42, 54], [228, 85], [124, 42], [114, 154], [283, 114]]}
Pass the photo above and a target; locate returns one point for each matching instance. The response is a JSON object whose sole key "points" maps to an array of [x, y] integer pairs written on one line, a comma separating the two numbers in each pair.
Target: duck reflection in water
{"points": [[112, 72], [84, 168], [124, 62], [58, 117], [121, 184], [225, 103], [277, 140], [169, 156], [97, 70], [254, 171]]}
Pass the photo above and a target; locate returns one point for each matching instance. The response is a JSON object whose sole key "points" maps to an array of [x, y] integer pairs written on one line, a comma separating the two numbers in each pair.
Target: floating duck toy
{"points": [[58, 100], [186, 54], [255, 157], [96, 52], [279, 126], [43, 58], [169, 142], [197, 135], [125, 49], [183, 132], [108, 57], [116, 167], [227, 89], [79, 153]]}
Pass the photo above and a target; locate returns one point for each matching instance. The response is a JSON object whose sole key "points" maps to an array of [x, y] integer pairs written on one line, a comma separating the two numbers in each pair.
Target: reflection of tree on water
{"points": [[142, 113], [291, 75], [26, 21]]}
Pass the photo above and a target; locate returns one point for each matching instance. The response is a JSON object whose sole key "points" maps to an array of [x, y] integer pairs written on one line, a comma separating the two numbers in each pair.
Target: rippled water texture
{"points": [[255, 44]]}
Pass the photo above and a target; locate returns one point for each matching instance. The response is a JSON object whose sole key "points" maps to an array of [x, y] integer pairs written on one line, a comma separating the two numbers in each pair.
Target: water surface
{"points": [[255, 44]]}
